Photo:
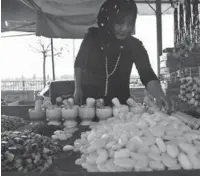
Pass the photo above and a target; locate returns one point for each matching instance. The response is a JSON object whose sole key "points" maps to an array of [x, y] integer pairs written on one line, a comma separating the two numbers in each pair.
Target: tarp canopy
{"points": [[61, 18]]}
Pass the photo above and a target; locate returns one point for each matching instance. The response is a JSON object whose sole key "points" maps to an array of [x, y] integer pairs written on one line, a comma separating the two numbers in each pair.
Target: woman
{"points": [[107, 53]]}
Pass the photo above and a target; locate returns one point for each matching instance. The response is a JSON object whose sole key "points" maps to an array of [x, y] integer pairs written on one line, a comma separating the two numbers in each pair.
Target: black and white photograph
{"points": [[100, 87]]}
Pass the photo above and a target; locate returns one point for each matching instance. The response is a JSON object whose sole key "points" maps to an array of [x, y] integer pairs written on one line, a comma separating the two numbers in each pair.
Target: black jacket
{"points": [[91, 59]]}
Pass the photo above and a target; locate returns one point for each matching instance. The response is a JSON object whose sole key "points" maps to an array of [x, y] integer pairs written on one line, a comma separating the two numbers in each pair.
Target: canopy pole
{"points": [[52, 58], [74, 50], [159, 33]]}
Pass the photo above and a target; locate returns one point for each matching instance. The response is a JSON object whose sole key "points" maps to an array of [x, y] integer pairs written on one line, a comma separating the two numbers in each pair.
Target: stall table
{"points": [[64, 164]]}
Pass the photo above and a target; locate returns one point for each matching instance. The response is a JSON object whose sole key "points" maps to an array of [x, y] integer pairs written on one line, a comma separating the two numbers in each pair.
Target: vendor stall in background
{"points": [[180, 66]]}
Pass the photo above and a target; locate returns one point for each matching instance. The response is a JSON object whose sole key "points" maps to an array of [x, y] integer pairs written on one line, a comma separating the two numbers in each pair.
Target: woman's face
{"points": [[124, 27]]}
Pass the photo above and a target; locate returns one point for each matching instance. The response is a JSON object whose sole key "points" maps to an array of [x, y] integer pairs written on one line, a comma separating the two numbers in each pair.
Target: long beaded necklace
{"points": [[108, 75]]}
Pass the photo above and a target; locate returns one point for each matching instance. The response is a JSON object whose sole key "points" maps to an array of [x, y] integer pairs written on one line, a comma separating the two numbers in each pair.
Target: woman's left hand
{"points": [[166, 104]]}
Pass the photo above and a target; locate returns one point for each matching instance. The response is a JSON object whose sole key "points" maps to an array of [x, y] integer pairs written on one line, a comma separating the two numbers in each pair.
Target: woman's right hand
{"points": [[78, 95]]}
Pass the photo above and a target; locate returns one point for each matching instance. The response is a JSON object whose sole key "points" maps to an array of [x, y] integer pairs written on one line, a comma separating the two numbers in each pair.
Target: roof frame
{"points": [[30, 7]]}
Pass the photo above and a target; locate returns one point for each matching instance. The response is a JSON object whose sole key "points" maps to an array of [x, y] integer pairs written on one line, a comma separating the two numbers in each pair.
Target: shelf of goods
{"points": [[182, 78], [94, 139], [171, 63]]}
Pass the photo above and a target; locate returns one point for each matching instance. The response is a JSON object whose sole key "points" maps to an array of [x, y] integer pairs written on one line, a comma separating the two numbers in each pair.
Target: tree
{"points": [[34, 76], [45, 50]]}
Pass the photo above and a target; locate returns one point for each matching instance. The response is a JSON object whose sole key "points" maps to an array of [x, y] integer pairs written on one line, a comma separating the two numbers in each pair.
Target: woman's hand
{"points": [[166, 104], [78, 95], [163, 102]]}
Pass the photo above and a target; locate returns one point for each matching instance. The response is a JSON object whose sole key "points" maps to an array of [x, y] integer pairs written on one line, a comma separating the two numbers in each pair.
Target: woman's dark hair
{"points": [[112, 10]]}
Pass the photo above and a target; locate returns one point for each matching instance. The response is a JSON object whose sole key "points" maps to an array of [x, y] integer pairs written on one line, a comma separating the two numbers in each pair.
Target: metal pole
{"points": [[73, 49], [52, 57], [16, 35], [159, 33]]}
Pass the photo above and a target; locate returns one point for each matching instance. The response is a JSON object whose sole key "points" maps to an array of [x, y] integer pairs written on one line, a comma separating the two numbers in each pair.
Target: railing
{"points": [[36, 85], [136, 83], [22, 85]]}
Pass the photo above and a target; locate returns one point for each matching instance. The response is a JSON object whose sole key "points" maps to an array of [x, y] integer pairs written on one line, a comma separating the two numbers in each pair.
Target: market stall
{"points": [[67, 139], [123, 139]]}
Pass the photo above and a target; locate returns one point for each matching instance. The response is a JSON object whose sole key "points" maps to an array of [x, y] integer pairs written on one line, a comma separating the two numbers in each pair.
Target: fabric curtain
{"points": [[72, 18]]}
